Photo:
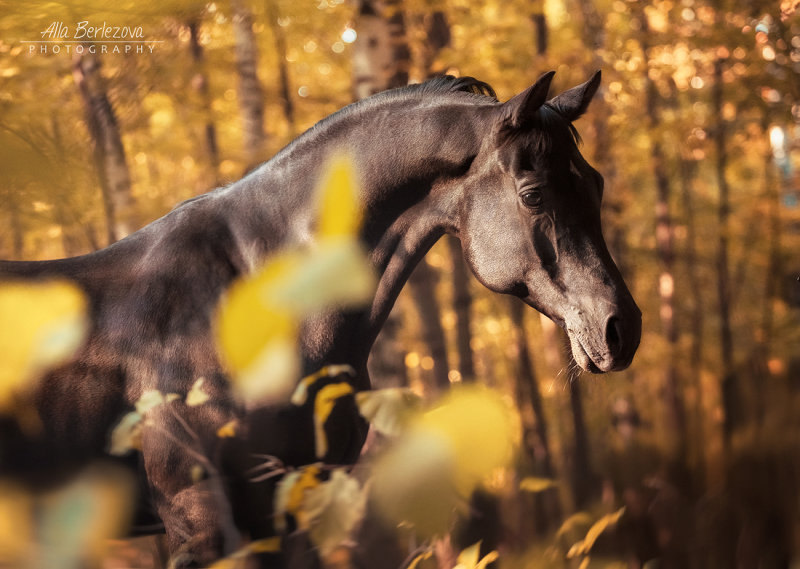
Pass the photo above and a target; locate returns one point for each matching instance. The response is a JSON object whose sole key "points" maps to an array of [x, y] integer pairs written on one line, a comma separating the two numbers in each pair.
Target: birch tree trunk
{"points": [[200, 86], [107, 149], [381, 57], [279, 38], [251, 95]]}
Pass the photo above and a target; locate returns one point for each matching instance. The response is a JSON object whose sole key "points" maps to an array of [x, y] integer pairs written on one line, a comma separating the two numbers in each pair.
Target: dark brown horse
{"points": [[441, 157]]}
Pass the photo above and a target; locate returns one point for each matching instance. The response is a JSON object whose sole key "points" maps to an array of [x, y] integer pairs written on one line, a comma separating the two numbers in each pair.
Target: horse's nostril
{"points": [[614, 335]]}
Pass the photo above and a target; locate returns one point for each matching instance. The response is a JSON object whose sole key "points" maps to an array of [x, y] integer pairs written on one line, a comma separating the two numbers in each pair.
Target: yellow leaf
{"points": [[477, 424], [197, 473], [301, 392], [267, 545], [444, 455], [323, 405], [413, 483], [290, 494], [427, 554], [127, 434], [584, 547], [333, 510], [150, 398], [388, 410], [41, 325], [340, 211], [196, 395], [77, 521], [533, 484], [469, 558], [227, 430], [16, 526]]}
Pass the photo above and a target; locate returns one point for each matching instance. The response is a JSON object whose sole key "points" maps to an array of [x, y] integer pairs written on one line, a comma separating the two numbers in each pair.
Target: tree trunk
{"points": [[594, 39], [381, 57], [437, 30], [108, 151], [422, 285], [664, 252], [279, 37], [200, 87], [387, 359], [539, 21], [251, 95], [546, 509], [583, 480], [730, 391], [462, 305], [373, 58], [17, 234]]}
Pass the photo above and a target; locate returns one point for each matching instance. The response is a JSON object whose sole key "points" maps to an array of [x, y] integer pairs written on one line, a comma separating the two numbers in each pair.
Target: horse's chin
{"points": [[582, 357]]}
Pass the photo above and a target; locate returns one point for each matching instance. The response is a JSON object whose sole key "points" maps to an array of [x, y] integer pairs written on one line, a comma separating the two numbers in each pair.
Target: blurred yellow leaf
{"points": [[227, 430], [234, 560], [584, 547], [388, 410], [333, 509], [414, 483], [470, 558], [77, 521], [127, 434], [41, 325], [196, 395], [427, 554], [301, 392], [291, 492], [16, 526], [197, 473], [534, 485], [323, 405], [477, 424], [149, 399], [340, 211], [444, 455]]}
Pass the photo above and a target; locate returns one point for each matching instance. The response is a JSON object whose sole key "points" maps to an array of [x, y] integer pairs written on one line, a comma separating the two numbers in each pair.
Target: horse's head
{"points": [[530, 225]]}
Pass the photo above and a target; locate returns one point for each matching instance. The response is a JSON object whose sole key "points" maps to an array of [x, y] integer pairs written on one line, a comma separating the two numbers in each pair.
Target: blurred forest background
{"points": [[696, 129]]}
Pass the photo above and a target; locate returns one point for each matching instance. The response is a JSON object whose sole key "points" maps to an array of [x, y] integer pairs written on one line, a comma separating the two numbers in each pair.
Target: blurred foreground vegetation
{"points": [[695, 129]]}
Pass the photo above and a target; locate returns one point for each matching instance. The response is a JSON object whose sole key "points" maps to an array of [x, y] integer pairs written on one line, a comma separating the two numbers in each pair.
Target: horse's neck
{"points": [[407, 183]]}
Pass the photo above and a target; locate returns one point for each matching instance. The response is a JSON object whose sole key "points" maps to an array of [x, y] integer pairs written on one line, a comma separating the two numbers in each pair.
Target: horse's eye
{"points": [[531, 198]]}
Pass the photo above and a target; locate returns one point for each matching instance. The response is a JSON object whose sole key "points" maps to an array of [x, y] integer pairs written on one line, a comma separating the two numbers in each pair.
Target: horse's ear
{"points": [[518, 111], [573, 103]]}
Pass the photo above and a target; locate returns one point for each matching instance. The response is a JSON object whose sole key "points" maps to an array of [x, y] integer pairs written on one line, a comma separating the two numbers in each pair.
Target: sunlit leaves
{"points": [[41, 326], [259, 318], [442, 458]]}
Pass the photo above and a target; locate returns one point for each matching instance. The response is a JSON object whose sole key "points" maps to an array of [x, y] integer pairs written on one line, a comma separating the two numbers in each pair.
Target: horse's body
{"points": [[507, 179]]}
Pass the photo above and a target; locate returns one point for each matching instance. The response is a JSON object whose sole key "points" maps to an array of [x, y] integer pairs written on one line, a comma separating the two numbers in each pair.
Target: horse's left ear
{"points": [[573, 103]]}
